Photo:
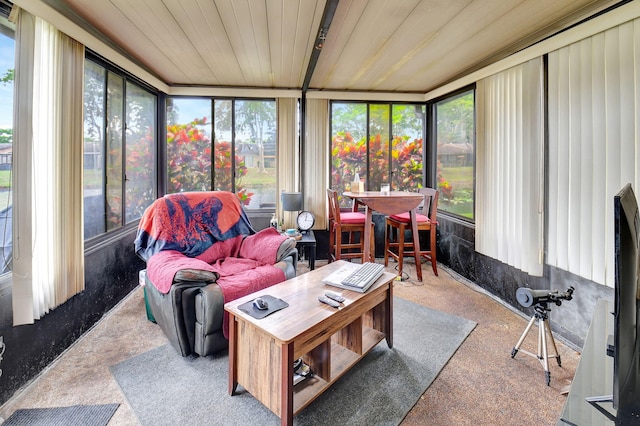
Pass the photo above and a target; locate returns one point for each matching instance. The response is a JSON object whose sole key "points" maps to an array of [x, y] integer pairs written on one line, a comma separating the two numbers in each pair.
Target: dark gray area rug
{"points": [[164, 388], [75, 415]]}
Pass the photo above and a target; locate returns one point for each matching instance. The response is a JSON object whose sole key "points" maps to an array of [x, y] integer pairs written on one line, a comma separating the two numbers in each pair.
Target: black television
{"points": [[625, 351], [624, 345]]}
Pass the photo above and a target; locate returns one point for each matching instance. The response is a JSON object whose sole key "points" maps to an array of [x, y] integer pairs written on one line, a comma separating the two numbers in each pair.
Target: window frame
{"points": [[97, 241], [6, 279], [432, 143], [212, 100], [426, 166]]}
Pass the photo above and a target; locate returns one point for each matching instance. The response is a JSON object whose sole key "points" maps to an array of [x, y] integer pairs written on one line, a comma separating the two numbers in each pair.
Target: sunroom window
{"points": [[455, 147], [242, 148], [119, 149], [381, 142], [7, 45]]}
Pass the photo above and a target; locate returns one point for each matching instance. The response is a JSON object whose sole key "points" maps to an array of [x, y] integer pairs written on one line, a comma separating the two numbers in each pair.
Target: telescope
{"points": [[527, 297]]}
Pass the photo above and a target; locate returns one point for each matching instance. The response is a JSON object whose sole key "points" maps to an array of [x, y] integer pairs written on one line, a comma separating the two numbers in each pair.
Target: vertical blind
{"points": [[594, 93], [509, 201], [48, 238], [288, 155], [316, 160]]}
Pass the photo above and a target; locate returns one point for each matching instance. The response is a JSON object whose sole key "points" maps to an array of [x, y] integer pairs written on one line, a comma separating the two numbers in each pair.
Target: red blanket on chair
{"points": [[190, 222], [237, 276]]}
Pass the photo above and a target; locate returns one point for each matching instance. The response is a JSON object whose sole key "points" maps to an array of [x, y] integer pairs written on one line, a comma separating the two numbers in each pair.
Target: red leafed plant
{"points": [[349, 157], [443, 185], [189, 161]]}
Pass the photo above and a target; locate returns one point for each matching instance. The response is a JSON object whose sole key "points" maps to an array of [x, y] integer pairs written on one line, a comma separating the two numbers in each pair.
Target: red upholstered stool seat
{"points": [[396, 225], [349, 224], [404, 217], [352, 217]]}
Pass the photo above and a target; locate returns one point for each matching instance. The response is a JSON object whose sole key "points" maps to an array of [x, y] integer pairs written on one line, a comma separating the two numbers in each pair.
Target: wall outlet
{"points": [[142, 276]]}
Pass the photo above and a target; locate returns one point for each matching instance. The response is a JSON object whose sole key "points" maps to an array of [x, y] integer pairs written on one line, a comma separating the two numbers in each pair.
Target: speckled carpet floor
{"points": [[480, 385], [379, 390]]}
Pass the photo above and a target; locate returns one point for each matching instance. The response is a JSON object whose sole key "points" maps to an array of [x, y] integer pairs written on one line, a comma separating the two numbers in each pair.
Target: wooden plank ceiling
{"points": [[406, 46]]}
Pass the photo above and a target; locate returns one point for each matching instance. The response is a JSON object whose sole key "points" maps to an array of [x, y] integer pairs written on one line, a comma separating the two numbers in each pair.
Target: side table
{"points": [[308, 243]]}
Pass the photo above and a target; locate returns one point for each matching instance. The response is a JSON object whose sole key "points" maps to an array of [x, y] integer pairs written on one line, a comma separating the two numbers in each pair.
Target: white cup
{"points": [[385, 189]]}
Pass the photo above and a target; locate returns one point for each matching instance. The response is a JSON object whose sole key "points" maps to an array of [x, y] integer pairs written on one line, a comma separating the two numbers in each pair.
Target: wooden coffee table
{"points": [[331, 341]]}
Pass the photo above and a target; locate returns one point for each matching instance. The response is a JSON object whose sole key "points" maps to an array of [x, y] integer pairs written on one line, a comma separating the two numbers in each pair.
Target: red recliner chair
{"points": [[202, 252]]}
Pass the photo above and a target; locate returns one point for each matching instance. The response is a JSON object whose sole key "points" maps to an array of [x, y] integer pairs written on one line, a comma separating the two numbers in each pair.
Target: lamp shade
{"points": [[291, 201]]}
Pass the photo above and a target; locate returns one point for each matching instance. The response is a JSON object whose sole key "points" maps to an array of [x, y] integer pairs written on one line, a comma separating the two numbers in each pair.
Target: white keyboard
{"points": [[364, 276]]}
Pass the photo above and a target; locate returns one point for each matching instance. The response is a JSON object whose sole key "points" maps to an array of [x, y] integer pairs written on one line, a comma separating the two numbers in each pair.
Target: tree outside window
{"points": [[119, 150], [140, 151], [188, 145], [455, 140]]}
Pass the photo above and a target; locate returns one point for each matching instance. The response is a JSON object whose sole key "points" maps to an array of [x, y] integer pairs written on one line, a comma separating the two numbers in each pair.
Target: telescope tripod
{"points": [[541, 315]]}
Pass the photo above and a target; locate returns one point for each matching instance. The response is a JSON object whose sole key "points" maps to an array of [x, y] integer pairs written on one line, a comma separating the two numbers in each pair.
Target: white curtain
{"points": [[48, 264], [288, 157], [509, 187], [594, 113], [316, 160]]}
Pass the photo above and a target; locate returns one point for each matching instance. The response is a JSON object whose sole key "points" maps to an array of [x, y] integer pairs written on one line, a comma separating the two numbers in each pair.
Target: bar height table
{"points": [[392, 203]]}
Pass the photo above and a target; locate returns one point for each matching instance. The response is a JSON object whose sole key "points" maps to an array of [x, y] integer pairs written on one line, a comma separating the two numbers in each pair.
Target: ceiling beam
{"points": [[327, 16]]}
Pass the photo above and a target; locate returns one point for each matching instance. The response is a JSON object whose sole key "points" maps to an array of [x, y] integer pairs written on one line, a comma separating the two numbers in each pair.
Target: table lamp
{"points": [[291, 202]]}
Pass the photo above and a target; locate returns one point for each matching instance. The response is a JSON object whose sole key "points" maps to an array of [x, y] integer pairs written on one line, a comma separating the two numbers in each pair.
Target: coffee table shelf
{"points": [[331, 341], [342, 359]]}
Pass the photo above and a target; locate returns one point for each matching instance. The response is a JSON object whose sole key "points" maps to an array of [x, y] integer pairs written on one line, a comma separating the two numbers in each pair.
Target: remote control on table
{"points": [[334, 296], [328, 301]]}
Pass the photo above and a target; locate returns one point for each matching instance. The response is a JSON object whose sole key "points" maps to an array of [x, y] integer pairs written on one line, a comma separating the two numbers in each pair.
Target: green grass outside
{"points": [[253, 179], [460, 179], [257, 179], [464, 210], [5, 179], [92, 178]]}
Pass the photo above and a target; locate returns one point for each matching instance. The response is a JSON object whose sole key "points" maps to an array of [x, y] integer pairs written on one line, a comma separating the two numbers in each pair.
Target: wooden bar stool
{"points": [[345, 222], [397, 224]]}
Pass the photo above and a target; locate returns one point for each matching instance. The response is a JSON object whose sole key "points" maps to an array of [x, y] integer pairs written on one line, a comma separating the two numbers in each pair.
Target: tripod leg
{"points": [[553, 344], [514, 351], [542, 333]]}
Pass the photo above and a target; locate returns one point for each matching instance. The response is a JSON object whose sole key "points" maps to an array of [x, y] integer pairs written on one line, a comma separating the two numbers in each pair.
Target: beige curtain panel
{"points": [[48, 264], [510, 176], [316, 160], [594, 93]]}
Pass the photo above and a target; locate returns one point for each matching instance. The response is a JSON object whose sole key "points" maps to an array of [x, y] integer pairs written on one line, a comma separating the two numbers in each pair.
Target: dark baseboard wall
{"points": [[571, 320], [111, 272]]}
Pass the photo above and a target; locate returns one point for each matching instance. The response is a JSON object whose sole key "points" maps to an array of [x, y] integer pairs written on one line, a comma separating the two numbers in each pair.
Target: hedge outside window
{"points": [[393, 153], [242, 150]]}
